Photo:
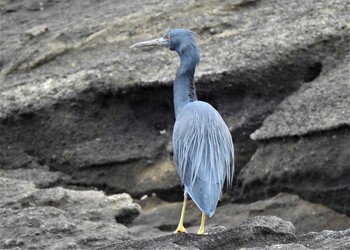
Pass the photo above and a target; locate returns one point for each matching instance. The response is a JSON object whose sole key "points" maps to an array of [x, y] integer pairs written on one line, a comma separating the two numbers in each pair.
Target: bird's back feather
{"points": [[203, 153]]}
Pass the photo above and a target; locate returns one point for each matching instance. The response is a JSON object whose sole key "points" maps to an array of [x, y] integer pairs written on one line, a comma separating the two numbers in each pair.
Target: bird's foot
{"points": [[201, 228], [200, 231], [180, 229]]}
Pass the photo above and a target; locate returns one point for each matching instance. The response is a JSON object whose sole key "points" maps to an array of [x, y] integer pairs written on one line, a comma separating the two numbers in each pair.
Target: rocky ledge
{"points": [[86, 123], [265, 232], [58, 218]]}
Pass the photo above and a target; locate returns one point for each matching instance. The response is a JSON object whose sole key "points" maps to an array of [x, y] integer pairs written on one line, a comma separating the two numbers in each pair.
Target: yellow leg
{"points": [[201, 228], [180, 227]]}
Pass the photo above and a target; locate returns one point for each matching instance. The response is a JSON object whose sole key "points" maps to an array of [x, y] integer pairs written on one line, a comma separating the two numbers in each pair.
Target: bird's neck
{"points": [[184, 87]]}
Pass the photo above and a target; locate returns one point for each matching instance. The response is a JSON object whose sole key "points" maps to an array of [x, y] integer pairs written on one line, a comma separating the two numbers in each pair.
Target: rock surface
{"points": [[319, 106], [80, 110], [162, 218], [76, 98], [261, 232], [252, 232], [315, 166], [59, 218]]}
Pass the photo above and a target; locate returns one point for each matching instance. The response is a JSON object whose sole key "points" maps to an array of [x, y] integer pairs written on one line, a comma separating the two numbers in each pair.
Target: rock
{"points": [[326, 239], [315, 166], [34, 5], [8, 7], [321, 106], [291, 246], [162, 218], [37, 30], [78, 108], [41, 176], [48, 227], [305, 216], [252, 232], [80, 102], [89, 102], [59, 218], [256, 233], [159, 178]]}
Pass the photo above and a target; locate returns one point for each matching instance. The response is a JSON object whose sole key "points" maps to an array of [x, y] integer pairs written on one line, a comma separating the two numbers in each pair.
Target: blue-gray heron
{"points": [[203, 148]]}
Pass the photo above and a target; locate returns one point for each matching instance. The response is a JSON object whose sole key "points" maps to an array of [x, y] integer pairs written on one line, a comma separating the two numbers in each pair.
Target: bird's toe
{"points": [[200, 232], [180, 229]]}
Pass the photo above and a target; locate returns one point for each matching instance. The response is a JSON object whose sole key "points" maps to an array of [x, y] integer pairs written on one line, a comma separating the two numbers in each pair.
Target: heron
{"points": [[202, 143]]}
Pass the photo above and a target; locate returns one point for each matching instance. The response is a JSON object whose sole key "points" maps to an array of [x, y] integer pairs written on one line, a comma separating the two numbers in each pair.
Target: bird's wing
{"points": [[203, 153]]}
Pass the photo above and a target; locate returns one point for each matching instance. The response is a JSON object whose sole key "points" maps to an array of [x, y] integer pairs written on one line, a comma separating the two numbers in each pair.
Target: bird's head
{"points": [[180, 40]]}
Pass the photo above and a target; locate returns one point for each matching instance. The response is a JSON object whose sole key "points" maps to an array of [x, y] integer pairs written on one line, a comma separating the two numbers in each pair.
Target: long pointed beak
{"points": [[159, 42]]}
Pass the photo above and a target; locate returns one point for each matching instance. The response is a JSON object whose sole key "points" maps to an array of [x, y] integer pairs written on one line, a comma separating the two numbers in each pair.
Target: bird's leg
{"points": [[201, 228], [180, 227]]}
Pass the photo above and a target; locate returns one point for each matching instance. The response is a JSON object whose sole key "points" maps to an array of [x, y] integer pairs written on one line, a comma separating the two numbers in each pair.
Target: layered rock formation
{"points": [[80, 111]]}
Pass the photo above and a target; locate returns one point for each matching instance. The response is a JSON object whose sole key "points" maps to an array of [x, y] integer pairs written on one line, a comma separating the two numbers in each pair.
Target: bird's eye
{"points": [[167, 37]]}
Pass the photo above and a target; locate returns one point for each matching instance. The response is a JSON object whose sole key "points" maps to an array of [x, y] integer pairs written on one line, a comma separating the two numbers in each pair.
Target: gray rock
{"points": [[162, 218], [321, 106], [48, 227], [34, 5], [305, 216], [261, 232], [291, 246], [60, 218], [315, 166], [36, 31], [80, 101], [327, 239], [40, 176], [255, 231]]}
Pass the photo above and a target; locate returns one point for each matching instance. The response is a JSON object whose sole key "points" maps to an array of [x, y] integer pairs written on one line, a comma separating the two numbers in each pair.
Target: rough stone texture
{"points": [[58, 218], [252, 232], [162, 218], [321, 105], [261, 232], [40, 176], [76, 98], [291, 246], [78, 108], [315, 166], [327, 240]]}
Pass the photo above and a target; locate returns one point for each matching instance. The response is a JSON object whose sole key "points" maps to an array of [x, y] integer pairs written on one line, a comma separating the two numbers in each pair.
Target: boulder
{"points": [[59, 218]]}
